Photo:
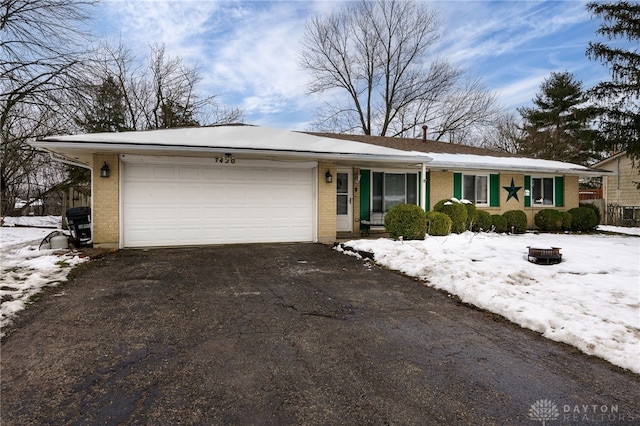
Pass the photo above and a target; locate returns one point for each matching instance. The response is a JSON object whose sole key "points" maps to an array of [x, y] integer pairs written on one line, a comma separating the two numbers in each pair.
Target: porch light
{"points": [[104, 170], [328, 176]]}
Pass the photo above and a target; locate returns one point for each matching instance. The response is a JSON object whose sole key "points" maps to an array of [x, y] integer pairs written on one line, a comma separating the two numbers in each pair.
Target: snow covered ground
{"points": [[26, 269], [591, 300]]}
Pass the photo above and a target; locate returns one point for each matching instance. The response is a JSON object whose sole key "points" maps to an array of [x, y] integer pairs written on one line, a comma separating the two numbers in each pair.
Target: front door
{"points": [[344, 210]]}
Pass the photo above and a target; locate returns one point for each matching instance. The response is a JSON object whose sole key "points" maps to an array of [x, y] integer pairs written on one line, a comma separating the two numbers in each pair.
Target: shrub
{"points": [[595, 208], [456, 211], [438, 224], [471, 213], [407, 221], [549, 220], [499, 223], [584, 219], [516, 221], [482, 221], [567, 220]]}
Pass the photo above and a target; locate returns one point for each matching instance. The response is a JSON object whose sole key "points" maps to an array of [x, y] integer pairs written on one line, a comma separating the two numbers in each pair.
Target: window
{"points": [[475, 188], [542, 191], [390, 189]]}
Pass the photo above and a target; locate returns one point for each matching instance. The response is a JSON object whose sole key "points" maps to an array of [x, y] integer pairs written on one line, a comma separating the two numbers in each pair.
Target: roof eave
{"points": [[53, 145], [491, 167]]}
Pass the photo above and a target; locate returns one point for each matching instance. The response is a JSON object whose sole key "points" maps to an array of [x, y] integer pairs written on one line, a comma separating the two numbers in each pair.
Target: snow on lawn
{"points": [[26, 269], [591, 300]]}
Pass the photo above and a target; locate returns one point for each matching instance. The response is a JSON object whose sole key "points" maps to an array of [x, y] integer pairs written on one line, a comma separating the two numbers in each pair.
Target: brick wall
{"points": [[441, 186], [106, 197], [326, 204]]}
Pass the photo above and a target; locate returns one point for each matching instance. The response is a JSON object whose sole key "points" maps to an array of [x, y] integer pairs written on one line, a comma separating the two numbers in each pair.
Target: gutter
{"points": [[62, 159]]}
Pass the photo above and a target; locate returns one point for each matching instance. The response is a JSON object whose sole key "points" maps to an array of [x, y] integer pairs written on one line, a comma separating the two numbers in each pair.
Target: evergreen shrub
{"points": [[499, 223], [595, 208], [567, 220], [482, 221], [471, 214], [407, 221], [456, 211], [584, 219], [438, 224], [516, 221], [549, 220]]}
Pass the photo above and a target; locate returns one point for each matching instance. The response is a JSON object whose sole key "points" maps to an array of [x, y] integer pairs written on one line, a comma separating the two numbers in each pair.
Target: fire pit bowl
{"points": [[544, 256]]}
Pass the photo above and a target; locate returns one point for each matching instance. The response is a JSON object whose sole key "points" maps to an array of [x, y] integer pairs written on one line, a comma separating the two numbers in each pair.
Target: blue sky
{"points": [[247, 50]]}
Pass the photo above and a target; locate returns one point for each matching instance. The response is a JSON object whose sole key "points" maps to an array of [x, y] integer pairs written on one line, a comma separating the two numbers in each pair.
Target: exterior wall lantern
{"points": [[328, 176], [105, 171]]}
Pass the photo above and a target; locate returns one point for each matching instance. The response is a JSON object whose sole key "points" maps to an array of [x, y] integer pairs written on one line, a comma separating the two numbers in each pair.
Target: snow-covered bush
{"points": [[456, 211], [482, 222], [407, 221], [438, 224], [516, 221], [584, 219], [498, 223]]}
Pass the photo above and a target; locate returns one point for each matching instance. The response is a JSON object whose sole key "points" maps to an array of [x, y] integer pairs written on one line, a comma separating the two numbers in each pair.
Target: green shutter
{"points": [[457, 185], [527, 190], [365, 194], [494, 190], [559, 189], [427, 192]]}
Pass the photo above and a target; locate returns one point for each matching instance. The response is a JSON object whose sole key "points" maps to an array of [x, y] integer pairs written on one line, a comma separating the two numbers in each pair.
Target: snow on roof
{"points": [[469, 161], [233, 137], [263, 140]]}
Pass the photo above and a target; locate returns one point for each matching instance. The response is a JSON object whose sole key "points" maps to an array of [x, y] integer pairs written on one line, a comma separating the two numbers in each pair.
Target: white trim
{"points": [[485, 175], [554, 201], [211, 161]]}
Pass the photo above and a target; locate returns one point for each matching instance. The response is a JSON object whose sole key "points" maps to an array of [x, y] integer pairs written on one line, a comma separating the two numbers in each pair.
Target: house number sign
{"points": [[227, 159]]}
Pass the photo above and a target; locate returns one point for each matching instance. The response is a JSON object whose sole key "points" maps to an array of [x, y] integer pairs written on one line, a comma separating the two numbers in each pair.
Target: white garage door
{"points": [[169, 204]]}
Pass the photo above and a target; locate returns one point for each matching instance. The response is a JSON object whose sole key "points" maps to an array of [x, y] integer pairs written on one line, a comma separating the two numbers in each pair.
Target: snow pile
{"points": [[33, 221], [26, 270], [591, 300]]}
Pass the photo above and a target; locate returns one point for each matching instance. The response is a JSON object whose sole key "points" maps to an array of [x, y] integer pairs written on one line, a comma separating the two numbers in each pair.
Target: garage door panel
{"points": [[166, 204]]}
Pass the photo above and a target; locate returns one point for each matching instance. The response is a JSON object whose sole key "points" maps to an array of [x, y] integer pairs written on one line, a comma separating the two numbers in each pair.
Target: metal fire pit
{"points": [[544, 256]]}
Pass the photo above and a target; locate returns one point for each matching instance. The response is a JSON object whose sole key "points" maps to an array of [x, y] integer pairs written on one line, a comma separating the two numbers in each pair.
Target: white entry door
{"points": [[344, 194]]}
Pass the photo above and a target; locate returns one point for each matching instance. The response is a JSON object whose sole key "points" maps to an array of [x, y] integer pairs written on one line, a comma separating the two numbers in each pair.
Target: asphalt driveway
{"points": [[286, 334]]}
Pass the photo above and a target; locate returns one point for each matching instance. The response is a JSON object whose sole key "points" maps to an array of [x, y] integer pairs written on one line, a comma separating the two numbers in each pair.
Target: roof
{"points": [[610, 158], [254, 141], [215, 140], [464, 157]]}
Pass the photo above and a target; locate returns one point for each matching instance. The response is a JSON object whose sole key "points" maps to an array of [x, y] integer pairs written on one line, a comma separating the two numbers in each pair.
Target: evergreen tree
{"points": [[106, 110], [619, 98], [557, 128]]}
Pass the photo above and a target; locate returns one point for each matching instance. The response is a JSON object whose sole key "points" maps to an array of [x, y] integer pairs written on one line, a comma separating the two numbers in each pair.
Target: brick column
{"points": [[105, 213], [326, 204]]}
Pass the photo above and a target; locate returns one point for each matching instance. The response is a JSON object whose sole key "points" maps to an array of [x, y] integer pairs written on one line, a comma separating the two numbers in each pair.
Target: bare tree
{"points": [[160, 92], [506, 134], [40, 62], [376, 53]]}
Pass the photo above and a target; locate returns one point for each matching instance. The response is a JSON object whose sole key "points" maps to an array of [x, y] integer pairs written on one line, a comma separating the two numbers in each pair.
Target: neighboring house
{"points": [[620, 191], [247, 184]]}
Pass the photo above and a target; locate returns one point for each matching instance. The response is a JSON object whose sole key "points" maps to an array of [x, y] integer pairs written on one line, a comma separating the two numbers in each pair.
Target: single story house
{"points": [[620, 190], [247, 184]]}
